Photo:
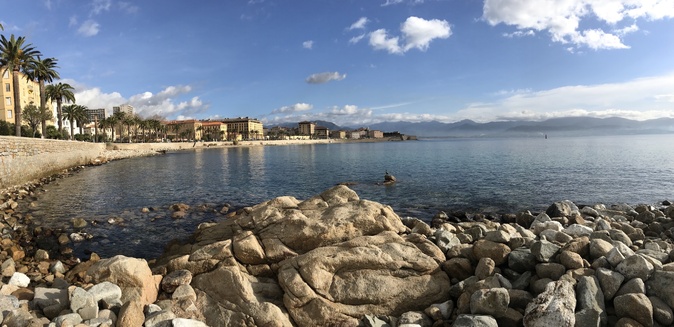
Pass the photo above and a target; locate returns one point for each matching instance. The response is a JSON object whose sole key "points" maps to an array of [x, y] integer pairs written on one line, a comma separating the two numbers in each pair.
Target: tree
{"points": [[109, 122], [33, 116], [16, 56], [81, 117], [43, 70], [60, 92], [69, 113]]}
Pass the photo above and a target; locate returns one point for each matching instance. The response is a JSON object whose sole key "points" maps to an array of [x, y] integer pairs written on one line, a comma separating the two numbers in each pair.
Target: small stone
{"points": [[79, 223], [459, 268], [8, 267], [496, 251], [440, 311], [609, 281], [466, 320], [57, 267], [492, 302], [485, 268], [41, 255], [543, 250], [599, 248], [107, 292], [571, 260], [184, 292], [19, 279], [176, 278], [160, 319]]}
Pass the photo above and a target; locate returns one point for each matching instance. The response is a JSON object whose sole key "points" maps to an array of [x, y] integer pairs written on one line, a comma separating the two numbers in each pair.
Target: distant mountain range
{"points": [[553, 127]]}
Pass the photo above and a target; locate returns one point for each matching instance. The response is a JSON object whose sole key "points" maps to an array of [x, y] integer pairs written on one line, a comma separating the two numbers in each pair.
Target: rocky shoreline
{"points": [[338, 260]]}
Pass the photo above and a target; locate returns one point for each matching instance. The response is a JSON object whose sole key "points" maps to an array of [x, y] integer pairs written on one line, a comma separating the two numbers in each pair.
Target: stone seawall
{"points": [[25, 159]]}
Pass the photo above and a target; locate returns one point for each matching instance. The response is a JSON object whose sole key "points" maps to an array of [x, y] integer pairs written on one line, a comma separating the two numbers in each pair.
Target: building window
{"points": [[7, 88], [8, 101], [9, 114]]}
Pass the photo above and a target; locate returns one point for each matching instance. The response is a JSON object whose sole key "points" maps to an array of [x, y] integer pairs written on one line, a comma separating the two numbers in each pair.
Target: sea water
{"points": [[476, 175]]}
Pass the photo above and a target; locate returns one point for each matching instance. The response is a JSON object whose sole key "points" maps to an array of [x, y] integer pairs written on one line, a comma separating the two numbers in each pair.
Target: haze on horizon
{"points": [[360, 62]]}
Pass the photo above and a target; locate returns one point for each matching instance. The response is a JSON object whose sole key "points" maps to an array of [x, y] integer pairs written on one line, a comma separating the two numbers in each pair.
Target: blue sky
{"points": [[360, 62]]}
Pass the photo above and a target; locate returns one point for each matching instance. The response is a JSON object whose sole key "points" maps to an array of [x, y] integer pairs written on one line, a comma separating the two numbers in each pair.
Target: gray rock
{"points": [[661, 285], [440, 311], [160, 319], [445, 239], [521, 260], [636, 306], [550, 270], [415, 318], [543, 250], [184, 292], [83, 303], [459, 268], [599, 248], [610, 282], [588, 317], [519, 298], [619, 235], [70, 319], [634, 285], [367, 321], [554, 307], [492, 302], [577, 230], [635, 266], [57, 267], [564, 208], [51, 300], [615, 257], [662, 313], [465, 320], [107, 292], [590, 296], [498, 236], [7, 304]]}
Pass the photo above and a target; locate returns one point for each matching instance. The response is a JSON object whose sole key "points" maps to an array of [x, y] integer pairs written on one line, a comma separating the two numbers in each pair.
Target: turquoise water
{"points": [[496, 175]]}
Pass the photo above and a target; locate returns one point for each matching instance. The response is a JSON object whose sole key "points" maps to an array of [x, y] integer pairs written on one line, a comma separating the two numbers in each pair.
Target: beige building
{"points": [[29, 91], [307, 128], [184, 130], [338, 134], [214, 130], [125, 108], [375, 134], [244, 128]]}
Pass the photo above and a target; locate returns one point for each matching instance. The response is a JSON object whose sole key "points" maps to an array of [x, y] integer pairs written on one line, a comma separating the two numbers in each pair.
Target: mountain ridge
{"points": [[564, 126]]}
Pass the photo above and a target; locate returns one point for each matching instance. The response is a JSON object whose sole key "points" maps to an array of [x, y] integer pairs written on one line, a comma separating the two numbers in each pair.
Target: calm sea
{"points": [[496, 175]]}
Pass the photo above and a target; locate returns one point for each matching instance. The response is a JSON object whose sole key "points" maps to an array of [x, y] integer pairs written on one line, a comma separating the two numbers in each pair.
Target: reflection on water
{"points": [[495, 174]]}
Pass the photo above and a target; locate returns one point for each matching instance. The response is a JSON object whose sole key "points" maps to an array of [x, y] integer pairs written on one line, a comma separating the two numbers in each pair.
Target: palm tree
{"points": [[43, 71], [16, 56], [69, 113], [60, 92], [81, 117], [109, 122]]}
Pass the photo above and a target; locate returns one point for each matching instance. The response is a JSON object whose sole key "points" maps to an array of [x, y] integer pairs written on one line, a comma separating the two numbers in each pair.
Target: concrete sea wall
{"points": [[24, 159]]}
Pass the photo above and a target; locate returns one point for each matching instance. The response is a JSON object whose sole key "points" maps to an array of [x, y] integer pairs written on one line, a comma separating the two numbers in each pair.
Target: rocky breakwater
{"points": [[337, 260]]}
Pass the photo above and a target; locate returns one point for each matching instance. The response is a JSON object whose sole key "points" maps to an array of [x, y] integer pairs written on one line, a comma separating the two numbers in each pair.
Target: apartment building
{"points": [[125, 108], [29, 91], [214, 130], [244, 128], [307, 128], [184, 130], [322, 132]]}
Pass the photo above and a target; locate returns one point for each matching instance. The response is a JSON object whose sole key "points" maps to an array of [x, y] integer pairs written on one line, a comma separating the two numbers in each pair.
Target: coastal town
{"points": [[125, 125]]}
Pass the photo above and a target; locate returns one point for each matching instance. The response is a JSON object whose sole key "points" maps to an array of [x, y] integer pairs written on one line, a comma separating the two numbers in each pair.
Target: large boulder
{"points": [[228, 296], [132, 275], [384, 274]]}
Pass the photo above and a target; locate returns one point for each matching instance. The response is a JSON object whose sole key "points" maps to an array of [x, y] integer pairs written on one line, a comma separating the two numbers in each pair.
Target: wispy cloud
{"points": [[89, 28], [308, 44], [297, 107], [325, 77], [417, 33], [99, 6], [359, 24]]}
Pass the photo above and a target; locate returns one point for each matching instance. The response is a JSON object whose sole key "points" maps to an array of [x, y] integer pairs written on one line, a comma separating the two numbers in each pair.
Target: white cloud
{"points": [[165, 103], [640, 99], [297, 107], [308, 44], [379, 40], [626, 30], [89, 28], [359, 24], [320, 78], [416, 33], [391, 2], [419, 32], [128, 7], [562, 19]]}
